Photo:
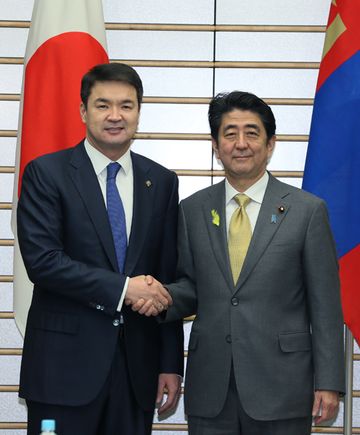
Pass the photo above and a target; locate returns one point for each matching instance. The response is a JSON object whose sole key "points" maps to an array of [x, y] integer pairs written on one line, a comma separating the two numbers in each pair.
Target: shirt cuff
{"points": [[122, 297]]}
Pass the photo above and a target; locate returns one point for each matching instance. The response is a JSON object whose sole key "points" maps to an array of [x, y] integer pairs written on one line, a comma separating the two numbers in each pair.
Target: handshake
{"points": [[147, 296]]}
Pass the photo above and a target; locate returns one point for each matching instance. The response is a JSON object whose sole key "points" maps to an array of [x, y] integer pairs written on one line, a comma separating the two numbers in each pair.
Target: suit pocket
{"points": [[55, 322], [193, 341], [295, 341]]}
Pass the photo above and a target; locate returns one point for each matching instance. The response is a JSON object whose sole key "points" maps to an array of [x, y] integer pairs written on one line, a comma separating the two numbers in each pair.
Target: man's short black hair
{"points": [[111, 72], [227, 102]]}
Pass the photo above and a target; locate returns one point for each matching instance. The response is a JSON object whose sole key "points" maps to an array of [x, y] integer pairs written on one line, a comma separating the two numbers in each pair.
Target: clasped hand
{"points": [[147, 296]]}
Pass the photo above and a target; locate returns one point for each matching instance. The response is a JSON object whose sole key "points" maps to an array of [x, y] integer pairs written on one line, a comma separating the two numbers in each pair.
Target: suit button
{"points": [[234, 301], [228, 339], [116, 322]]}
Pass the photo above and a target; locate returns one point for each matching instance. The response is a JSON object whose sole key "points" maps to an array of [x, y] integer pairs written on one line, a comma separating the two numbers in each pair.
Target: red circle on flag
{"points": [[51, 100]]}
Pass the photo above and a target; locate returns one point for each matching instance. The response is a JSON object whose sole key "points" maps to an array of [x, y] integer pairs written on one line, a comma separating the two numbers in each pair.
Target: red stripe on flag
{"points": [[350, 291], [51, 118], [347, 44]]}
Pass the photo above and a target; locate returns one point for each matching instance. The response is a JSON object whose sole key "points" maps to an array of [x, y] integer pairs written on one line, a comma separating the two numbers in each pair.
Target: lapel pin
{"points": [[148, 183], [215, 217], [273, 218], [281, 209]]}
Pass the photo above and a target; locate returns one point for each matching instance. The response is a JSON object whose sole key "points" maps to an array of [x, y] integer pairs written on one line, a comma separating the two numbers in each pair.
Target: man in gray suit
{"points": [[266, 346]]}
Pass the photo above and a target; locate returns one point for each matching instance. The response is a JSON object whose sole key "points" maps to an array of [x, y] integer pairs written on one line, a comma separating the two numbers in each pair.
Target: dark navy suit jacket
{"points": [[68, 250]]}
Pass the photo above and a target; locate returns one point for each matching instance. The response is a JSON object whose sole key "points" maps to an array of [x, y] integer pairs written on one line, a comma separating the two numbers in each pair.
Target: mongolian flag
{"points": [[332, 169], [66, 39]]}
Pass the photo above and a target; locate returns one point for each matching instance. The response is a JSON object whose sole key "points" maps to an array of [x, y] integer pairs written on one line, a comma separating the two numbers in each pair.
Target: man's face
{"points": [[242, 147], [111, 117]]}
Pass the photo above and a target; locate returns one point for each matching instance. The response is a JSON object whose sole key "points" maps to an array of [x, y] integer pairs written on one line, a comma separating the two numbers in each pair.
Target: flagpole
{"points": [[348, 400]]}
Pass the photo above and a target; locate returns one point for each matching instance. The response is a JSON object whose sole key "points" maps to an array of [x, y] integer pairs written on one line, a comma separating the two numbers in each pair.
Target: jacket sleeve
{"points": [[183, 290], [323, 296], [172, 335], [41, 222]]}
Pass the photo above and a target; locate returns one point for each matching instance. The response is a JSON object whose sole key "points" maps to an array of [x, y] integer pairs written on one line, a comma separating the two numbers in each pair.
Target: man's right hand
{"points": [[151, 296]]}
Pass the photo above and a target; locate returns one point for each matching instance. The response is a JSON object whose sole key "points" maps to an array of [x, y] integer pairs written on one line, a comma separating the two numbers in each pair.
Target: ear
{"points": [[215, 148], [271, 146], [83, 112]]}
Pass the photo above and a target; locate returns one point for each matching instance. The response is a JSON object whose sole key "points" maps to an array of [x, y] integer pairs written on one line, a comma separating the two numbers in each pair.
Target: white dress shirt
{"points": [[124, 183]]}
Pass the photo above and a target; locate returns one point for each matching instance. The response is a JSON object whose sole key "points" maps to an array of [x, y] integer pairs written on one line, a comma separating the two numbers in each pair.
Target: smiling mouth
{"points": [[114, 129]]}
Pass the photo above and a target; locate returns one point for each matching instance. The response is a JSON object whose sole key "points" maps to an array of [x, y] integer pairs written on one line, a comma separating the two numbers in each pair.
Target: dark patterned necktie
{"points": [[116, 214]]}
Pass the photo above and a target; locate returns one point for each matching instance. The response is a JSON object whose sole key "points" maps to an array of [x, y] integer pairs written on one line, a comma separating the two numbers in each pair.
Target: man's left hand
{"points": [[172, 383], [326, 405]]}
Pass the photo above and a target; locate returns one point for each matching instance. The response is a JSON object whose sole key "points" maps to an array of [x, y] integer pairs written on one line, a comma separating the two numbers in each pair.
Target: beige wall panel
{"points": [[189, 185], [18, 38], [160, 11], [356, 347], [12, 408], [268, 83], [6, 297], [269, 47], [187, 330], [292, 119], [356, 375], [6, 187], [297, 182], [356, 412], [176, 82], [10, 78], [9, 115], [7, 151], [16, 9], [160, 432], [6, 263], [159, 45], [282, 12], [10, 337], [289, 155], [5, 229], [9, 369], [176, 154], [174, 118]]}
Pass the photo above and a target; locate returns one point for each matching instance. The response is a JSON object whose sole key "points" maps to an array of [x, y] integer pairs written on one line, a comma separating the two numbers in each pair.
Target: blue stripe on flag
{"points": [[332, 169]]}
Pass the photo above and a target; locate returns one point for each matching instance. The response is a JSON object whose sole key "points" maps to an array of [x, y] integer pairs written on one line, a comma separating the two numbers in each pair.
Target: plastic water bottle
{"points": [[48, 427]]}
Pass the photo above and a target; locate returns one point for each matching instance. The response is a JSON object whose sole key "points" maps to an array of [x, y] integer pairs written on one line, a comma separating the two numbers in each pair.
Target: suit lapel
{"points": [[144, 198], [87, 184], [217, 233], [272, 213]]}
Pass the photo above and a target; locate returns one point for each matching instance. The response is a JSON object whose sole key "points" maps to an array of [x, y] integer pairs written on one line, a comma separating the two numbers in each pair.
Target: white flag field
{"points": [[66, 38]]}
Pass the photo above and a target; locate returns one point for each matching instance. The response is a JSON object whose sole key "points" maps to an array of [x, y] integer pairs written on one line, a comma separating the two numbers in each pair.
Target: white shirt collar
{"points": [[255, 192], [100, 161]]}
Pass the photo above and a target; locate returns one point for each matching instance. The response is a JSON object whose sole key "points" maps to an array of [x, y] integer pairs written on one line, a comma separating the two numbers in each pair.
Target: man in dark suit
{"points": [[89, 361], [258, 267]]}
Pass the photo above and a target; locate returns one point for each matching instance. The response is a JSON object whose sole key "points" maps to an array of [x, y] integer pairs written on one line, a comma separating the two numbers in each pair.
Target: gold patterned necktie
{"points": [[239, 235]]}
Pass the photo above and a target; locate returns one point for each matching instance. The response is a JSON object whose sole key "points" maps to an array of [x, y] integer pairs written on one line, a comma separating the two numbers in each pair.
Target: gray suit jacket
{"points": [[281, 325]]}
